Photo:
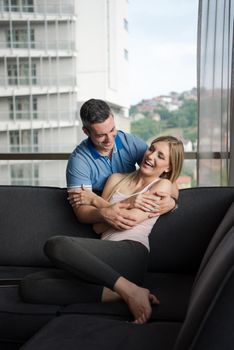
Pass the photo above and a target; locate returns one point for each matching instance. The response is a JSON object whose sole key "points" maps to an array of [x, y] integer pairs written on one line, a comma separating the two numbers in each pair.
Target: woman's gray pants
{"points": [[87, 266]]}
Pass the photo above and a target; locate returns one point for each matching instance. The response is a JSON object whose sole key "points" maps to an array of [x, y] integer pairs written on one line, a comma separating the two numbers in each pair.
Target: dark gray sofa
{"points": [[189, 270]]}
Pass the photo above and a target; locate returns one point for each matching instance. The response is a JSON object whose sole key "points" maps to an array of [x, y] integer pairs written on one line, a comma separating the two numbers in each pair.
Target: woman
{"points": [[118, 260]]}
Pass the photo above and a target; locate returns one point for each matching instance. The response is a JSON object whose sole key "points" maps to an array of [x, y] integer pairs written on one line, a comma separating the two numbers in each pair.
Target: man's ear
{"points": [[86, 131]]}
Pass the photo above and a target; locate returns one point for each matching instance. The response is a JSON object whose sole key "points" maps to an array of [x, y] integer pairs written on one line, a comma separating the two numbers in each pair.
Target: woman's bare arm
{"points": [[164, 186]]}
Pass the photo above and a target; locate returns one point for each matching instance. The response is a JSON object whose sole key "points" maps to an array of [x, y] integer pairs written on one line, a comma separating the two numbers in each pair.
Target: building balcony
{"points": [[14, 120], [38, 48], [23, 85], [39, 8]]}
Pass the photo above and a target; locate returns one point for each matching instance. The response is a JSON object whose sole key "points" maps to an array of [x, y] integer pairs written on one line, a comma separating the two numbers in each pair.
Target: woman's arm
{"points": [[100, 227], [161, 202], [143, 213]]}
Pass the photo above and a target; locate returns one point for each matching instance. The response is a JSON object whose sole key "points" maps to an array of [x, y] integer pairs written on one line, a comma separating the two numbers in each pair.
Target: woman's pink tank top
{"points": [[140, 232]]}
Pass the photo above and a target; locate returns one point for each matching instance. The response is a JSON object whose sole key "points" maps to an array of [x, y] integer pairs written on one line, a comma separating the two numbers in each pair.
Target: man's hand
{"points": [[118, 216], [165, 204], [81, 196], [73, 196]]}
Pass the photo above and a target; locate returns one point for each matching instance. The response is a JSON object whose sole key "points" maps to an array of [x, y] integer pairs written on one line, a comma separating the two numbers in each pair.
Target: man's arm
{"points": [[141, 214], [168, 202], [111, 215], [92, 208]]}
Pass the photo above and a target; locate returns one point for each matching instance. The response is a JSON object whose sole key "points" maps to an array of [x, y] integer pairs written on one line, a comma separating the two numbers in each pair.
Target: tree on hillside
{"points": [[145, 128], [164, 113], [184, 118], [186, 115]]}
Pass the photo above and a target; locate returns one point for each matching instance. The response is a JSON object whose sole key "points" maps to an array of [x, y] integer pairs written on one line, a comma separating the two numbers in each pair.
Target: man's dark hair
{"points": [[94, 111]]}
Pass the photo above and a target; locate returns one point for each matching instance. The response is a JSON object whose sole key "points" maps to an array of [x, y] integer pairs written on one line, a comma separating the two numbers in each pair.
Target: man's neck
{"points": [[106, 153]]}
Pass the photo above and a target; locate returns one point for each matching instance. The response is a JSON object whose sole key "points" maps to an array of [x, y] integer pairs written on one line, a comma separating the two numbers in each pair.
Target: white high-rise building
{"points": [[54, 55]]}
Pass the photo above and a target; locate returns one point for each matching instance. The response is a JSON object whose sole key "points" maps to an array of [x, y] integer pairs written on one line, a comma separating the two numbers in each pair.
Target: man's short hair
{"points": [[94, 111]]}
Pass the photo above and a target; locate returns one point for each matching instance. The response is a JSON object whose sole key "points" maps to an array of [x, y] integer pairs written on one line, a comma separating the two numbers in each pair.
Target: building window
{"points": [[12, 73], [21, 75], [26, 76], [20, 38], [125, 24], [18, 5], [23, 141], [27, 5], [14, 141], [11, 5], [25, 174], [23, 108], [126, 54]]}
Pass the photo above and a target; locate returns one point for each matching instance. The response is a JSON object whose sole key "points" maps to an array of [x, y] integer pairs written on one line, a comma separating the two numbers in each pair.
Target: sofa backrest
{"points": [[28, 217], [179, 240], [222, 230], [210, 315]]}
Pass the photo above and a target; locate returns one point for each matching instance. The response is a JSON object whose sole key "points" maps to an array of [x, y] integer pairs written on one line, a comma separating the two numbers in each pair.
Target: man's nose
{"points": [[109, 137]]}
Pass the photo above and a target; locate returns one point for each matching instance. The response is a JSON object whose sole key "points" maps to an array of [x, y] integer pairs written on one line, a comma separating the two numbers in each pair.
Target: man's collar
{"points": [[95, 154]]}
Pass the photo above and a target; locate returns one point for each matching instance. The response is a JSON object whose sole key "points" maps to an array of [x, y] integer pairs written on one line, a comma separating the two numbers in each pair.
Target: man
{"points": [[104, 152]]}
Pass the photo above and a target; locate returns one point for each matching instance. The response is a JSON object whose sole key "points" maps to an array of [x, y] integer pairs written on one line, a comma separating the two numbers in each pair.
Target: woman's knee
{"points": [[55, 246]]}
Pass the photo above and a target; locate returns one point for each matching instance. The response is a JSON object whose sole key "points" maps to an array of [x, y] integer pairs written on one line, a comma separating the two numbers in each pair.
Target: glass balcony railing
{"points": [[51, 170], [33, 172], [39, 7], [52, 167], [39, 45], [42, 115], [41, 81]]}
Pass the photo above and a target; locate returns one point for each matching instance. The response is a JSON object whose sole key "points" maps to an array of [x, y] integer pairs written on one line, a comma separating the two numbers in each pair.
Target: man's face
{"points": [[103, 135]]}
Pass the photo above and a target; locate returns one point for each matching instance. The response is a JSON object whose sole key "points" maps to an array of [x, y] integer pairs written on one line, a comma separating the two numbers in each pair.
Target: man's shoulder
{"points": [[81, 149], [80, 155], [127, 137]]}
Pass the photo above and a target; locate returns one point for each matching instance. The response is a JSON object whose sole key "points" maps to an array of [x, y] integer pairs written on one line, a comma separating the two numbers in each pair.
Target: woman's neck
{"points": [[140, 181]]}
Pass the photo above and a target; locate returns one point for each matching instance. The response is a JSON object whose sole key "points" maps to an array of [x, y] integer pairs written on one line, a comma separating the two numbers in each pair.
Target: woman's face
{"points": [[156, 159]]}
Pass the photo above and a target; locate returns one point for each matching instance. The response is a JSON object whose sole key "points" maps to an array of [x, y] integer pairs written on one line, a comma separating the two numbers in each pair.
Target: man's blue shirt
{"points": [[88, 167]]}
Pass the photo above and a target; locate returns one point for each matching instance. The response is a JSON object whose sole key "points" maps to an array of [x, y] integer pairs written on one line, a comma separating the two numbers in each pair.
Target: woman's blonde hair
{"points": [[176, 156]]}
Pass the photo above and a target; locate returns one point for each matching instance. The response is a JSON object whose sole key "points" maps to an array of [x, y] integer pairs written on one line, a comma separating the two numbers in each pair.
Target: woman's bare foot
{"points": [[138, 299]]}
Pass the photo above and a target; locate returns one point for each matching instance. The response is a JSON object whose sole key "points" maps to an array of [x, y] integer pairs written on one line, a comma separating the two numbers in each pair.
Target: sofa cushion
{"points": [[89, 332], [10, 345], [13, 274], [59, 288], [172, 290], [179, 240], [28, 217], [18, 320]]}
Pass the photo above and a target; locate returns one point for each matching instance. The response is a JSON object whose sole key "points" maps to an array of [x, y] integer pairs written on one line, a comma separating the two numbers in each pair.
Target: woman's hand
{"points": [[145, 201], [165, 205]]}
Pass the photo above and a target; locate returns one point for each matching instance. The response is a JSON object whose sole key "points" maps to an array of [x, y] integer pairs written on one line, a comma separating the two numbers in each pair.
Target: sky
{"points": [[162, 47]]}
